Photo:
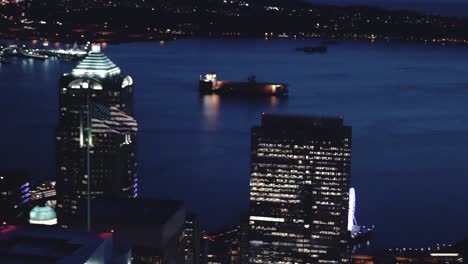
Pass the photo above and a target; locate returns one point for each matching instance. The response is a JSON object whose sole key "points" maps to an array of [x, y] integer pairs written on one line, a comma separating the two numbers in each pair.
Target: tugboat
{"points": [[209, 84], [318, 49]]}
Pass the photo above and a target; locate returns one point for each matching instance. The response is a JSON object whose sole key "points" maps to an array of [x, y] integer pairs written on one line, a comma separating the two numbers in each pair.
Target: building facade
{"points": [[94, 95], [224, 246], [191, 239], [300, 174]]}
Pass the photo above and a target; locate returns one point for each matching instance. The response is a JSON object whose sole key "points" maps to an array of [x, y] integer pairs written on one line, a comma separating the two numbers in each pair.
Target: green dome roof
{"points": [[40, 213]]}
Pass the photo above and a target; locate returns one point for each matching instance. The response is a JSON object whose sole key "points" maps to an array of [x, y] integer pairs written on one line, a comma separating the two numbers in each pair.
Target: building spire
{"points": [[96, 48]]}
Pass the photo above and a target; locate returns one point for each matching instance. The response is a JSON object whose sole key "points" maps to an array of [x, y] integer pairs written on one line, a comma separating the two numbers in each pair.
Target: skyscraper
{"points": [[300, 173], [192, 239], [95, 95]]}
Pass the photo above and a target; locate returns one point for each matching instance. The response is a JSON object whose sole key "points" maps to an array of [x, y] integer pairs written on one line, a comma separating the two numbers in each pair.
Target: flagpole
{"points": [[88, 165]]}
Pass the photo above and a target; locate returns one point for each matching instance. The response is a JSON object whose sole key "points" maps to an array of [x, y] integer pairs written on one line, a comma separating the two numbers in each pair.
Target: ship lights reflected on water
{"points": [[211, 105], [273, 102]]}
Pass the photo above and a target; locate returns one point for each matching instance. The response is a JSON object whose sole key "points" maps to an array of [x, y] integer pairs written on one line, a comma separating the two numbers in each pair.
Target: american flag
{"points": [[106, 119]]}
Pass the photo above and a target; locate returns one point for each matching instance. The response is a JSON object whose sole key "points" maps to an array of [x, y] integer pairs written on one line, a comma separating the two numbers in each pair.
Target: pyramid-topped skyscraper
{"points": [[96, 64], [95, 96]]}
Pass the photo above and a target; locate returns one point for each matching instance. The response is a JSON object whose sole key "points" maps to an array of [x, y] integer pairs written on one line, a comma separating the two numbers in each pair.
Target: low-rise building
{"points": [[45, 245], [155, 228]]}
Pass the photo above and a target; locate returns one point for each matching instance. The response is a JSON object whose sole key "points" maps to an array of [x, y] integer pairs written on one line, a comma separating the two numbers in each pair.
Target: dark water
{"points": [[407, 104]]}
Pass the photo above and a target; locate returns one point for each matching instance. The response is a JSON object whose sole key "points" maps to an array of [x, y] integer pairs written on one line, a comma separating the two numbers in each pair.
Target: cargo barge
{"points": [[209, 84]]}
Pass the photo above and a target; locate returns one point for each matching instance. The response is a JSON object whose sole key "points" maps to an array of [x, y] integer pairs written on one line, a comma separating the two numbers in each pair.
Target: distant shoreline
{"points": [[294, 19], [169, 39], [442, 8]]}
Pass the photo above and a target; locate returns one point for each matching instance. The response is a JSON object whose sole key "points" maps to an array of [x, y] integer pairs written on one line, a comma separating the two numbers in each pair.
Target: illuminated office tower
{"points": [[300, 173], [191, 239], [95, 95]]}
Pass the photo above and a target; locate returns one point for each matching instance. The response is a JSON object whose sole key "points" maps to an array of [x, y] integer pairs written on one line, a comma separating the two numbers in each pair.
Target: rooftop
{"points": [[20, 245], [145, 222], [300, 121], [96, 64]]}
